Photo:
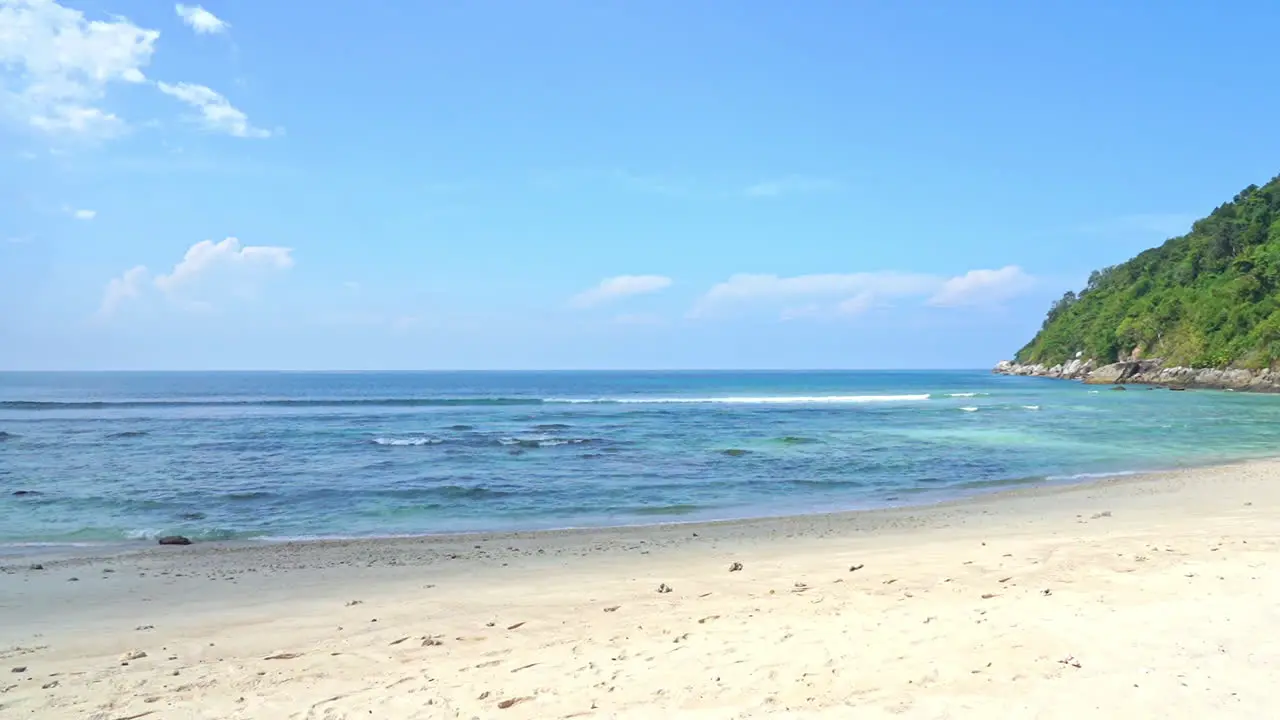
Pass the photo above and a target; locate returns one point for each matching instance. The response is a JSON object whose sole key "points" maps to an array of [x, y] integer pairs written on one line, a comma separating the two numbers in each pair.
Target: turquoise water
{"points": [[109, 457]]}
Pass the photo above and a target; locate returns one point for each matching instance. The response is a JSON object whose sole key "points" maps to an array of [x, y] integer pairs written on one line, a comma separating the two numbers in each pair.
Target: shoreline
{"points": [[15, 554], [90, 552], [1060, 598]]}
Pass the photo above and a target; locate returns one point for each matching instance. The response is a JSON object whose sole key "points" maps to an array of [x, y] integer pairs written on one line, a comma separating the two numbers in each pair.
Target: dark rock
{"points": [[37, 566], [175, 540], [1118, 387], [19, 669], [25, 493]]}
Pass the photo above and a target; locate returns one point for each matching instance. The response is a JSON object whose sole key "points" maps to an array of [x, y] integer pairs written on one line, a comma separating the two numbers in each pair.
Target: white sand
{"points": [[1032, 604]]}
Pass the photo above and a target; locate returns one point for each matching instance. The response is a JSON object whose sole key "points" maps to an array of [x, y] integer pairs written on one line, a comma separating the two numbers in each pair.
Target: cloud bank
{"points": [[615, 288], [57, 67], [206, 269], [847, 294]]}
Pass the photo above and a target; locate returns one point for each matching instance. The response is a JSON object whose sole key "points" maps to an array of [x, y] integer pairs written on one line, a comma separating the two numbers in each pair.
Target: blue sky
{"points": [[402, 185]]}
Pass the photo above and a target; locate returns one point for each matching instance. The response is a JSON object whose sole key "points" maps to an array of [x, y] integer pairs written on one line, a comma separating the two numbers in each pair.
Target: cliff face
{"points": [[1150, 372]]}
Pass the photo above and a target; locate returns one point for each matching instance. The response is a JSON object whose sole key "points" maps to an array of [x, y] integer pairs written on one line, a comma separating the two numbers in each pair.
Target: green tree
{"points": [[1207, 298]]}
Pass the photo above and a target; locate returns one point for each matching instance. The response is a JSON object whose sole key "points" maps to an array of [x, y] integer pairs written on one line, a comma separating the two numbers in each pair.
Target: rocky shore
{"points": [[1149, 372]]}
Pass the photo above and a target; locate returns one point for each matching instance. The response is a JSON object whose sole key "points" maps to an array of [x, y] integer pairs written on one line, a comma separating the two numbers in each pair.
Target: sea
{"points": [[119, 458]]}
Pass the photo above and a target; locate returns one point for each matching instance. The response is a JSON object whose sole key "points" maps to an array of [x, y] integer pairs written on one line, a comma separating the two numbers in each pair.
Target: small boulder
{"points": [[175, 540]]}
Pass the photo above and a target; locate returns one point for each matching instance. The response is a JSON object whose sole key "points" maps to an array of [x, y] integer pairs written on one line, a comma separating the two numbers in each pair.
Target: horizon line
{"points": [[491, 370]]}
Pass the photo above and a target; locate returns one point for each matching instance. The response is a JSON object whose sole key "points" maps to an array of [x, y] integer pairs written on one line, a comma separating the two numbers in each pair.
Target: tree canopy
{"points": [[1210, 298]]}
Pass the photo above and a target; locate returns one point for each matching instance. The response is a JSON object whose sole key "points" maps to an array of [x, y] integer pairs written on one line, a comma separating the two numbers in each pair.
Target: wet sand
{"points": [[1153, 596]]}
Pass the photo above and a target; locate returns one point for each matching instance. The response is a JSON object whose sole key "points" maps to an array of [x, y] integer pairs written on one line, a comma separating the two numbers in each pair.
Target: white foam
{"points": [[965, 394], [541, 440], [969, 409], [761, 400], [1095, 475], [1030, 407], [399, 442]]}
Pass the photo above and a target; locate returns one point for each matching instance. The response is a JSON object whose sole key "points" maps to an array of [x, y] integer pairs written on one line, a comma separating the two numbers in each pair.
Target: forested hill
{"points": [[1210, 298]]}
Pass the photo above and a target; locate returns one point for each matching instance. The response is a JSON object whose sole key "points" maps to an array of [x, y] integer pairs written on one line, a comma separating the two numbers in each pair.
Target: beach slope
{"points": [[1155, 596]]}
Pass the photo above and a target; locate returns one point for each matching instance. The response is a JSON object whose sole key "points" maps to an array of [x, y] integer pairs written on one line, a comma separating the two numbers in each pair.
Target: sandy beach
{"points": [[1152, 596]]}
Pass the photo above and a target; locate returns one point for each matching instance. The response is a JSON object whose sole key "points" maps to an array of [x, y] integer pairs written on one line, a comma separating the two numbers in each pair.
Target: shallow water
{"points": [[106, 457]]}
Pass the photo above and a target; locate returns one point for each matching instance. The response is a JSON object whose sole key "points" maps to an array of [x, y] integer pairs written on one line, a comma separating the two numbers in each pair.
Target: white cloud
{"points": [[791, 185], [55, 66], [207, 256], [207, 268], [126, 287], [619, 287], [983, 287], [216, 112], [848, 294], [771, 290], [857, 304], [78, 214], [201, 20]]}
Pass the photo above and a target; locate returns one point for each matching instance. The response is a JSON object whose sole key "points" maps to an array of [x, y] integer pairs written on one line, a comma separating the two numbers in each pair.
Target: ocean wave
{"points": [[673, 509], [798, 440], [1093, 475], [969, 408], [406, 442], [7, 436], [127, 434], [90, 536], [965, 394], [540, 441], [463, 492], [248, 495], [334, 402], [755, 400], [40, 405], [1030, 407]]}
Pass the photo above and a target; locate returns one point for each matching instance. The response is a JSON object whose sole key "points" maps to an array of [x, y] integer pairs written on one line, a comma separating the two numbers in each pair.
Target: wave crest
{"points": [[406, 442]]}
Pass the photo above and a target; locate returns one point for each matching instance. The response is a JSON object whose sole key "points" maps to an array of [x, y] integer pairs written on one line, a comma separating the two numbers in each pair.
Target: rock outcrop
{"points": [[1150, 372], [1071, 370]]}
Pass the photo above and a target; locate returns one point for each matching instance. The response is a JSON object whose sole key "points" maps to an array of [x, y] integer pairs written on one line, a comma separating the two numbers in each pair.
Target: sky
{"points": [[576, 184]]}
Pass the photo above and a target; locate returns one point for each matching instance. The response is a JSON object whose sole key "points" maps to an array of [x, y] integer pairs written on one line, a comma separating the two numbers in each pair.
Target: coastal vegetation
{"points": [[1210, 298]]}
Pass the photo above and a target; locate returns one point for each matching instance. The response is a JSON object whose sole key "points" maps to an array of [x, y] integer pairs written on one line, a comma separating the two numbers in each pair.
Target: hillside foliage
{"points": [[1210, 298]]}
